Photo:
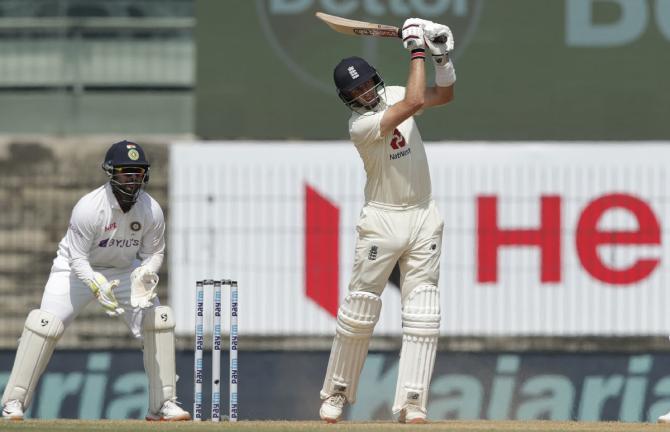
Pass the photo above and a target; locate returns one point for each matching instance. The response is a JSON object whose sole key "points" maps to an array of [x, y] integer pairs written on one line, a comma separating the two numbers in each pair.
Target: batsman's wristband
{"points": [[445, 75], [418, 53]]}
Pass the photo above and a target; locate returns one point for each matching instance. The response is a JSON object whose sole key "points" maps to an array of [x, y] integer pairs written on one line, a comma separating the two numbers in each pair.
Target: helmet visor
{"points": [[128, 180], [369, 96]]}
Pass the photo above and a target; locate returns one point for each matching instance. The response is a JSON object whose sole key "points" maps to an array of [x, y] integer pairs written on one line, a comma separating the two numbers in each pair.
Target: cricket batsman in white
{"points": [[399, 223], [112, 251]]}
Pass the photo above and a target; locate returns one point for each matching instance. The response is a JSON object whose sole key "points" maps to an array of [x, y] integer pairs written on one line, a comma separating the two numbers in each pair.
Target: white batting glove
{"points": [[104, 292], [412, 34], [438, 52], [433, 31], [143, 283]]}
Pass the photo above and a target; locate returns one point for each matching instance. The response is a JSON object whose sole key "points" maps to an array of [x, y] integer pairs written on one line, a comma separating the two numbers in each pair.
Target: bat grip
{"points": [[439, 39]]}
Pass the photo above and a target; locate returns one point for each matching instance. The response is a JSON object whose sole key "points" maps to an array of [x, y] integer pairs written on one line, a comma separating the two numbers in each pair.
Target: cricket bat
{"points": [[362, 28]]}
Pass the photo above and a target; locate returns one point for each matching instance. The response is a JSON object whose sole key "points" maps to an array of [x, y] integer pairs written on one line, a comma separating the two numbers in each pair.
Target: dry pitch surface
{"points": [[248, 426]]}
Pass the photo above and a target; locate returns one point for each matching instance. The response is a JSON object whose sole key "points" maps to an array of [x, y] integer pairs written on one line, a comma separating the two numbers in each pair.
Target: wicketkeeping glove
{"points": [[143, 284], [104, 292]]}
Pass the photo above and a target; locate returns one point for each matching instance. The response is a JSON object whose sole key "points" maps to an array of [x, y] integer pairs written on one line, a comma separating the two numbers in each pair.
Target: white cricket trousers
{"points": [[412, 237], [66, 296]]}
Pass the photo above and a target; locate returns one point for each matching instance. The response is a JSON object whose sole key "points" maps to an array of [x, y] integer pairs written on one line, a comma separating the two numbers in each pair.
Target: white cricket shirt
{"points": [[396, 164], [100, 235]]}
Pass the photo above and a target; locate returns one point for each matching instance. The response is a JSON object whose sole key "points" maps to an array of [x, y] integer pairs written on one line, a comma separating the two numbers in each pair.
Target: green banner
{"points": [[527, 69]]}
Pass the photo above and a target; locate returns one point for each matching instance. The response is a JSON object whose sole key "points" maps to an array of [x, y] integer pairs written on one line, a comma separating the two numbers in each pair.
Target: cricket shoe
{"points": [[665, 418], [331, 408], [13, 410], [170, 411], [412, 414]]}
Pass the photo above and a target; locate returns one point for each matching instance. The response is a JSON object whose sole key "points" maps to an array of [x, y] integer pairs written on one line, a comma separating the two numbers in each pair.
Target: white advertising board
{"points": [[539, 239]]}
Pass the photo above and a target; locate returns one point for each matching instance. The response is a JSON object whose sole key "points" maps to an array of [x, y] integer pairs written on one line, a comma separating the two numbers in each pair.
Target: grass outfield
{"points": [[470, 426]]}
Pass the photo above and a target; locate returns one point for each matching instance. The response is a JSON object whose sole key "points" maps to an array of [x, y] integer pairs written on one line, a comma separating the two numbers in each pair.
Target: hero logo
{"points": [[280, 18], [322, 231], [589, 237]]}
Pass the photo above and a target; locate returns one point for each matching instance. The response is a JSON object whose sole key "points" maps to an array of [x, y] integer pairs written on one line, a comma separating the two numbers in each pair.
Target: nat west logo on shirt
{"points": [[119, 243], [398, 142], [110, 227]]}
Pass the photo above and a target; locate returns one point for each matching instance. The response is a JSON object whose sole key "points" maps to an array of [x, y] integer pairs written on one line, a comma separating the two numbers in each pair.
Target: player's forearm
{"points": [[411, 103], [416, 84], [436, 96], [153, 262], [82, 269]]}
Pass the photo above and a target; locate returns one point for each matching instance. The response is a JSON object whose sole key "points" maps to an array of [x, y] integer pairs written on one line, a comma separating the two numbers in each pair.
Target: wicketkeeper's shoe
{"points": [[170, 411], [412, 414], [13, 410], [665, 418], [331, 408]]}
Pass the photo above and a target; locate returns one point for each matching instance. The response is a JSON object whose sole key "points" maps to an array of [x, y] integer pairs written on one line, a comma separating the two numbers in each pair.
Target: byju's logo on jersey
{"points": [[279, 20], [118, 243]]}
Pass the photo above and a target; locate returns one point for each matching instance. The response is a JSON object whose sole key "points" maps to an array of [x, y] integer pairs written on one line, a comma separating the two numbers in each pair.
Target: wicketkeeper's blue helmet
{"points": [[128, 170]]}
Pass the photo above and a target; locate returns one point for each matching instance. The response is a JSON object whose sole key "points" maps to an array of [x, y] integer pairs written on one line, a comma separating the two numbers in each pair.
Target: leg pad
{"points": [[159, 355], [356, 319], [40, 335]]}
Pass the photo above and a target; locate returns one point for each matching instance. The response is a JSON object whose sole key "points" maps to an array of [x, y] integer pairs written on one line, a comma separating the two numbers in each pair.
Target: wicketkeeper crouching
{"points": [[112, 251]]}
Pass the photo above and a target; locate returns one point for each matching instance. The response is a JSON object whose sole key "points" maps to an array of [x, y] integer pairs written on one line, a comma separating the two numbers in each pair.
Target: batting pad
{"points": [[421, 327], [159, 357], [356, 319], [40, 334]]}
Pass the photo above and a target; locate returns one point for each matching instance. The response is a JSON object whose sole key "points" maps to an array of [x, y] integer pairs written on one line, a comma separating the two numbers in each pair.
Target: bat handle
{"points": [[439, 39]]}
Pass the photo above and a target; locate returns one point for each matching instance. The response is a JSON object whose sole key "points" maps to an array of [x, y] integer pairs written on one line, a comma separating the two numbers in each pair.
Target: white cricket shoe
{"points": [[331, 408], [13, 410], [170, 411], [412, 414], [665, 418]]}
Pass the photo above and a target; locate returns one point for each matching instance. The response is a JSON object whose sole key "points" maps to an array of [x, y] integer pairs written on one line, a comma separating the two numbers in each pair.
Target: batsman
{"points": [[111, 252], [399, 222]]}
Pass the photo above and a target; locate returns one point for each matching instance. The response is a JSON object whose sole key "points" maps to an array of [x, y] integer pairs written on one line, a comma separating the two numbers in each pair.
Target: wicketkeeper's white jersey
{"points": [[396, 164], [101, 236]]}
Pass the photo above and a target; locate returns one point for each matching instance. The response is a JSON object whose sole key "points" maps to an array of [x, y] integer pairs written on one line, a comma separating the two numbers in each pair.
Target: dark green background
{"points": [[517, 79]]}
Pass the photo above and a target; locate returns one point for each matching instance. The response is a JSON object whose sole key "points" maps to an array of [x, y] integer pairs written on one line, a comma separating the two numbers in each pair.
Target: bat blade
{"points": [[358, 28], [362, 28]]}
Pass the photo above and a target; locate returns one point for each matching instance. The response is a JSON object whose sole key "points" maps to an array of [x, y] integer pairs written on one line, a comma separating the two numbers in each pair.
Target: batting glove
{"points": [[104, 292], [441, 34], [413, 38]]}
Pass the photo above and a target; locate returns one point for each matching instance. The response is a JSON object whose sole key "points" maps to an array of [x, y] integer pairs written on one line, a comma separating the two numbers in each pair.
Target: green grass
{"points": [[276, 426]]}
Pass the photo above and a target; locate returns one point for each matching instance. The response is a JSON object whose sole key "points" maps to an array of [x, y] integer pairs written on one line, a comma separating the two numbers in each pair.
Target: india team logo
{"points": [[312, 56], [133, 154]]}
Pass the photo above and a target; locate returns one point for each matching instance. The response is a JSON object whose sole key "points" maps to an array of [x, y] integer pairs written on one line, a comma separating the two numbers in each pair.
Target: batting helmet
{"points": [[353, 73]]}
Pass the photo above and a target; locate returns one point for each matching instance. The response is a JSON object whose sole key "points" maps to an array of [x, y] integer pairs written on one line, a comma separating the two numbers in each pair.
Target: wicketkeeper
{"points": [[399, 223], [112, 251]]}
